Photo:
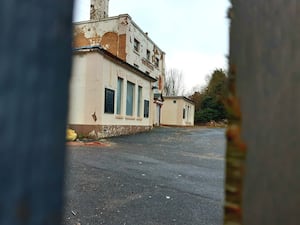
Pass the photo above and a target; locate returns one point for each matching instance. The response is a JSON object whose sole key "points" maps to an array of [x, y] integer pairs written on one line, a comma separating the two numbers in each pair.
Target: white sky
{"points": [[192, 33]]}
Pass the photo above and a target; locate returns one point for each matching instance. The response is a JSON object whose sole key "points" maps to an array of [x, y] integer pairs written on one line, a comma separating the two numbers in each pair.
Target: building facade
{"points": [[122, 37], [178, 111], [108, 97]]}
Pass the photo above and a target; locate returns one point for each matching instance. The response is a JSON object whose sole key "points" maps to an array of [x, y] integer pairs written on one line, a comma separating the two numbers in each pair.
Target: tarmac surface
{"points": [[168, 176]]}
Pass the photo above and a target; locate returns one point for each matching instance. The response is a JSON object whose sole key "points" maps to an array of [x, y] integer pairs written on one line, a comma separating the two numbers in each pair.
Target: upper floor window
{"points": [[156, 62], [148, 55], [136, 45]]}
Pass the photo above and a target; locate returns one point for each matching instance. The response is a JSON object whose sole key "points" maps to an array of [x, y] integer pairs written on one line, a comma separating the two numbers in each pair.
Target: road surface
{"points": [[168, 176]]}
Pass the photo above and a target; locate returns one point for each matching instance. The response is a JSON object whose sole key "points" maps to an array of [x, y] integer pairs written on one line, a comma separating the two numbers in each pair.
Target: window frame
{"points": [[119, 95], [130, 111], [156, 62], [136, 45], [146, 108], [139, 101], [109, 106], [148, 54]]}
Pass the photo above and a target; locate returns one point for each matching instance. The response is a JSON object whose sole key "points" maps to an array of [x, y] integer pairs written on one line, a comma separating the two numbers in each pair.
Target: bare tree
{"points": [[174, 85]]}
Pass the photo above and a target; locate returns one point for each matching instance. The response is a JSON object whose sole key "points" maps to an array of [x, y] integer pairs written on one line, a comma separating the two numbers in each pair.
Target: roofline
{"points": [[144, 33], [116, 59], [117, 17], [179, 97]]}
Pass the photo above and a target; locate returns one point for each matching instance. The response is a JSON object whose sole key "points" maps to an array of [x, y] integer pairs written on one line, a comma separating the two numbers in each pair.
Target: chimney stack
{"points": [[99, 9]]}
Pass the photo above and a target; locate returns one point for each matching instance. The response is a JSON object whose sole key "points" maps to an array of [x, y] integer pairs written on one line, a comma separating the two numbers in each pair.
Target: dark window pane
{"points": [[136, 45], [109, 101], [139, 101], [146, 108]]}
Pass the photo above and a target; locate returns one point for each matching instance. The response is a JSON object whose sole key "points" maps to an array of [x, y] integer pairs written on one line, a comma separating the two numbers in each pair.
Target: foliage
{"points": [[197, 99], [209, 104], [174, 83], [206, 115]]}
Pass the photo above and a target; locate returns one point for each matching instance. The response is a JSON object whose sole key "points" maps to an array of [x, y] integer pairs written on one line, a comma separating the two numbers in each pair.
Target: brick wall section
{"points": [[104, 131], [122, 47], [110, 42], [79, 40]]}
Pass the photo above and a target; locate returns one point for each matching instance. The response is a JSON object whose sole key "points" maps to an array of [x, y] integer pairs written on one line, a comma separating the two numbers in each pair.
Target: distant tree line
{"points": [[210, 101]]}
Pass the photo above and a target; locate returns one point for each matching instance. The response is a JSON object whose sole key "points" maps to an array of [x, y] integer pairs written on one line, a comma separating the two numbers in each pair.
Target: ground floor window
{"points": [[109, 101], [139, 103], [119, 95], [146, 108], [130, 98]]}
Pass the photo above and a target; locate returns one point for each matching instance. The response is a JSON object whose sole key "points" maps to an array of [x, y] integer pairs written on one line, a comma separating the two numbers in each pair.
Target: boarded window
{"points": [[109, 101], [146, 108], [139, 103], [129, 98], [119, 95]]}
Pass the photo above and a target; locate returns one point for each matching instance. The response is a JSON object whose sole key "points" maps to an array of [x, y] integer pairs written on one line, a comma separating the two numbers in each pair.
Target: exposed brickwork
{"points": [[110, 42], [80, 40], [103, 131], [122, 47]]}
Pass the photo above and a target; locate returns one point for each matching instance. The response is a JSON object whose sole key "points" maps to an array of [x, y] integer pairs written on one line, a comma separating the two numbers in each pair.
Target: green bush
{"points": [[206, 115], [210, 102]]}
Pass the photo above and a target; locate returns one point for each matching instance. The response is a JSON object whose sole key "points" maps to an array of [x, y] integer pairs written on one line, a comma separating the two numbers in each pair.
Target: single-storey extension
{"points": [[108, 96], [177, 111]]}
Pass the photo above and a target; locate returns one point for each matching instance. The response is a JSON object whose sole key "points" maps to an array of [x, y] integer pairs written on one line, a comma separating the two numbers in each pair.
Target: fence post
{"points": [[264, 57], [35, 59]]}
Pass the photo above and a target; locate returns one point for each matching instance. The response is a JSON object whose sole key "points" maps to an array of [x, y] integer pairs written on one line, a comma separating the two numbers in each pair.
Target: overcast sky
{"points": [[192, 33]]}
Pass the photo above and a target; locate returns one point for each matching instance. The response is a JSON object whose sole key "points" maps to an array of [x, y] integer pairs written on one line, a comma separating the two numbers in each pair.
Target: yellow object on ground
{"points": [[71, 135]]}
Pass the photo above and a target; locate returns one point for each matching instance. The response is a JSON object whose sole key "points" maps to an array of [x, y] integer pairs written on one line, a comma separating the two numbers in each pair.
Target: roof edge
{"points": [[121, 62], [180, 97]]}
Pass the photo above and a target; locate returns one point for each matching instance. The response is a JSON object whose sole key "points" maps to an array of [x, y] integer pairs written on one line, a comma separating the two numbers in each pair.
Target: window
{"points": [[148, 55], [136, 45], [146, 108], [183, 116], [109, 101], [139, 103], [129, 98], [119, 95], [156, 62]]}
